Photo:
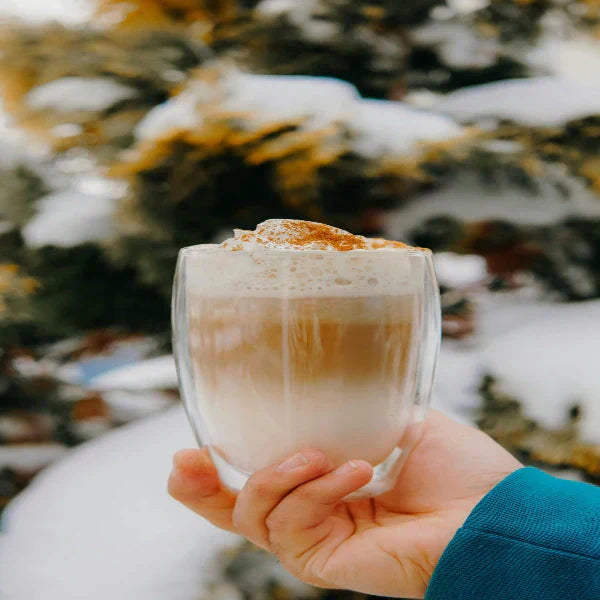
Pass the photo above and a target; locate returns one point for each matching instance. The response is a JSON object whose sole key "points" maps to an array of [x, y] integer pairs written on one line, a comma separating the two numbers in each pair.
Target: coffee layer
{"points": [[275, 375]]}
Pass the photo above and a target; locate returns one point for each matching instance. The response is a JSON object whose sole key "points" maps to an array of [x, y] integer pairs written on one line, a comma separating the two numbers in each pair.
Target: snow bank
{"points": [[17, 147], [274, 7], [467, 199], [128, 405], [67, 12], [304, 15], [152, 374], [545, 355], [291, 96], [576, 57], [387, 127], [267, 98], [68, 218], [458, 375], [536, 101], [460, 46], [467, 6], [71, 94], [459, 270], [88, 368], [551, 363], [380, 127], [179, 112], [30, 457], [99, 524]]}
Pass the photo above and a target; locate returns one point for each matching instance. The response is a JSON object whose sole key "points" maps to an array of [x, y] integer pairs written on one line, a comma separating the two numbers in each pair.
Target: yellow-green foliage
{"points": [[153, 63]]}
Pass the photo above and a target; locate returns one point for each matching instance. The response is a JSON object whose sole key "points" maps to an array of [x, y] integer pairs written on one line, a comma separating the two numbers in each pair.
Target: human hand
{"points": [[387, 545]]}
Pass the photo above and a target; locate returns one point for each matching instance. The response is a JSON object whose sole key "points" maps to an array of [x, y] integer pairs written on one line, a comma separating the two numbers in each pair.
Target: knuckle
{"points": [[323, 463], [258, 489], [275, 522], [305, 494], [319, 461]]}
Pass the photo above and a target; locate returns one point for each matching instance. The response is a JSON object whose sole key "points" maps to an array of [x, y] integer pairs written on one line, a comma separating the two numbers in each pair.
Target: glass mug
{"points": [[278, 350]]}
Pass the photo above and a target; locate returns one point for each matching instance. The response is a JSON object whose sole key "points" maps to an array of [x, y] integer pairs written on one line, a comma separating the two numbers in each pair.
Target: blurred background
{"points": [[131, 128]]}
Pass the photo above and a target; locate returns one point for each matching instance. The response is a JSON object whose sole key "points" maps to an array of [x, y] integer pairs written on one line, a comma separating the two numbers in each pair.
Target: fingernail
{"points": [[294, 462], [346, 468]]}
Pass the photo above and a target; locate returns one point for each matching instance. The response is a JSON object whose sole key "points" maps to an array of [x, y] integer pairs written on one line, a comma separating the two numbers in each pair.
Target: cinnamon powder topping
{"points": [[306, 235]]}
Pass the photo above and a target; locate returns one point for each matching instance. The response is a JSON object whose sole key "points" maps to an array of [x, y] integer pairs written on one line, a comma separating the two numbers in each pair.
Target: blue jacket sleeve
{"points": [[531, 537]]}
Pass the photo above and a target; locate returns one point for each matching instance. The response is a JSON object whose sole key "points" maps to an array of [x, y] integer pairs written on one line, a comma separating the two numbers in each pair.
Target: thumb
{"points": [[195, 483]]}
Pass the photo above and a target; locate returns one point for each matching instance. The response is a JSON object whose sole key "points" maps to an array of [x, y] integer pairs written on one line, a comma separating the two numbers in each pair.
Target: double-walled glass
{"points": [[280, 350]]}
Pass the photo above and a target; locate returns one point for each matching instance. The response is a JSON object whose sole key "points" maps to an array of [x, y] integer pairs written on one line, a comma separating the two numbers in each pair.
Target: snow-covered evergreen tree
{"points": [[470, 126]]}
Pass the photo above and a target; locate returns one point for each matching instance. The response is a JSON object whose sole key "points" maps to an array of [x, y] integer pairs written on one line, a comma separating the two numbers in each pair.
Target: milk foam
{"points": [[289, 234], [273, 261]]}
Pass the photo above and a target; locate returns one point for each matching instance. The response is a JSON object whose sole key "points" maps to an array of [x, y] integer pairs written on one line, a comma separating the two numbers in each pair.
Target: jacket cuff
{"points": [[532, 536]]}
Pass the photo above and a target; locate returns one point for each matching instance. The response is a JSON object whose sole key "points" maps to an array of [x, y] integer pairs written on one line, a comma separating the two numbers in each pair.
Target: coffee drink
{"points": [[289, 346]]}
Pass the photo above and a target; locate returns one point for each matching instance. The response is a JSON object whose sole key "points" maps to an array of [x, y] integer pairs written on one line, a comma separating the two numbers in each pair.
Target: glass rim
{"points": [[409, 250]]}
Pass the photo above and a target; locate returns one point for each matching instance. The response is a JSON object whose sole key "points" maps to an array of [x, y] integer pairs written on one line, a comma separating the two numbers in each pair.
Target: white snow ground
{"points": [[543, 354], [99, 524], [551, 363], [30, 457]]}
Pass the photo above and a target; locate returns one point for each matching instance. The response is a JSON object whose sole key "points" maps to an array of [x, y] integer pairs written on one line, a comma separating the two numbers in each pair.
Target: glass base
{"points": [[384, 477]]}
